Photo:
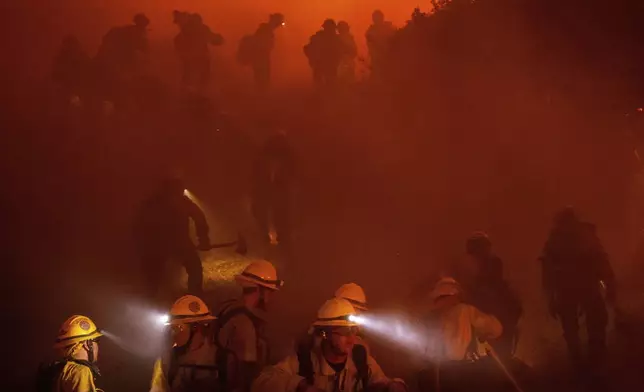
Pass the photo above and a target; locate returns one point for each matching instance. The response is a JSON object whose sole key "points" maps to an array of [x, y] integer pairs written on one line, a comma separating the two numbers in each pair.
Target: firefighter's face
{"points": [[342, 339], [180, 334], [92, 345], [265, 297]]}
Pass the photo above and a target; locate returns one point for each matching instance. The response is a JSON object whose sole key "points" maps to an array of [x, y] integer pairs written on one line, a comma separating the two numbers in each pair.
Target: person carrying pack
{"points": [[241, 325], [255, 50], [75, 370], [337, 364], [190, 364], [459, 362]]}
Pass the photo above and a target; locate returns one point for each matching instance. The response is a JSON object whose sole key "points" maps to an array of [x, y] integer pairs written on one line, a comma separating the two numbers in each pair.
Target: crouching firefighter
{"points": [[337, 363], [77, 349], [460, 362], [190, 363], [241, 324]]}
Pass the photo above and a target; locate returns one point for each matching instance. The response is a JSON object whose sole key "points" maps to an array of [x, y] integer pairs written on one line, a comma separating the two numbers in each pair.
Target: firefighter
{"points": [[324, 52], [77, 349], [122, 45], [347, 68], [255, 50], [71, 69], [162, 232], [337, 364], [379, 36], [272, 182], [119, 58], [486, 289], [354, 294], [357, 298], [575, 269], [191, 45], [189, 364], [242, 323], [456, 351]]}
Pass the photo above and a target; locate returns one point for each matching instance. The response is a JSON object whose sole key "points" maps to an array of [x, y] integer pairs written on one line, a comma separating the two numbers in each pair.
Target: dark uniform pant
{"points": [[154, 265], [325, 75], [483, 375], [262, 73], [196, 71], [273, 208], [592, 305]]}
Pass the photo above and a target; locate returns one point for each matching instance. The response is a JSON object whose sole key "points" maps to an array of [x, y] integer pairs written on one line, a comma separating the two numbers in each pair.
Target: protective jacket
{"points": [[459, 325], [76, 377], [286, 375]]}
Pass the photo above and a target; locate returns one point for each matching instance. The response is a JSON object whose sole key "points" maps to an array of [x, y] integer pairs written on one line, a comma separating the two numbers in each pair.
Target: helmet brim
{"points": [[335, 323], [245, 281], [189, 320], [72, 341]]}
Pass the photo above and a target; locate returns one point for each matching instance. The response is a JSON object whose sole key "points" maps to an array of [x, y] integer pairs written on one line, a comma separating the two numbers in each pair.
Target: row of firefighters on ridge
{"points": [[230, 352], [331, 52]]}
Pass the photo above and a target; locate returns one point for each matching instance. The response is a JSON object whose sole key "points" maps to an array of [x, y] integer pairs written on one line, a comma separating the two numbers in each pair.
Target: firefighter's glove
{"points": [[204, 244]]}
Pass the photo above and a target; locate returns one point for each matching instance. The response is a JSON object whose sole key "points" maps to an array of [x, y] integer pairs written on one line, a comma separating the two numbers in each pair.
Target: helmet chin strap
{"points": [[90, 351], [261, 302]]}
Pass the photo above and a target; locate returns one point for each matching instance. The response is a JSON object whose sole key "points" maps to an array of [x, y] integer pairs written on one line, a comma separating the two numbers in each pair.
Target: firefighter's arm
{"points": [[369, 36], [376, 375], [159, 380], [199, 218], [378, 381], [485, 326], [281, 377], [607, 274]]}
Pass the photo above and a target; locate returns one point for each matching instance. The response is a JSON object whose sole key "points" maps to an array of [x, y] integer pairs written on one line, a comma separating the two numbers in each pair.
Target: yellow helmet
{"points": [[76, 329], [354, 294], [336, 312], [189, 309], [446, 287], [260, 273]]}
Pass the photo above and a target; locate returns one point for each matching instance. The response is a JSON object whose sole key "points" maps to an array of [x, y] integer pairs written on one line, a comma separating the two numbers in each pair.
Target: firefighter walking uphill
{"points": [[574, 253], [162, 231]]}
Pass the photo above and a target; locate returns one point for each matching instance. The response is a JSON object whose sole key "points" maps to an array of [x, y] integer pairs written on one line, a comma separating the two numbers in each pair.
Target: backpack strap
{"points": [[359, 356], [305, 363], [229, 311], [95, 372]]}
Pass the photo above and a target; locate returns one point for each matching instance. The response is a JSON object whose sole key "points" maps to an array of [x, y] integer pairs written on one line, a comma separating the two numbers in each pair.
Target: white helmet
{"points": [[189, 309], [260, 274], [354, 294], [336, 312], [446, 287]]}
